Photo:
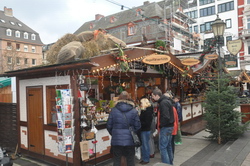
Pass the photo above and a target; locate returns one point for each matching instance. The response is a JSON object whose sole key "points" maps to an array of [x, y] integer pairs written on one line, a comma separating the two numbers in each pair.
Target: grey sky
{"points": [[54, 18]]}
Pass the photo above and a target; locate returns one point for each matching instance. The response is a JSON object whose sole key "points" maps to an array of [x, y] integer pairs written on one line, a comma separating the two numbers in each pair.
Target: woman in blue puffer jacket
{"points": [[117, 126]]}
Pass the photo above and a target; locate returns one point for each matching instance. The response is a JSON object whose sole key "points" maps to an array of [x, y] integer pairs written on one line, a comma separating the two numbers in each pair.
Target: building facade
{"points": [[205, 11], [244, 32], [21, 46]]}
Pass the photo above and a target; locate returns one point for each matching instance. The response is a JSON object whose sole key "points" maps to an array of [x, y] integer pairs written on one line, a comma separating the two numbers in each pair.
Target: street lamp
{"points": [[218, 28]]}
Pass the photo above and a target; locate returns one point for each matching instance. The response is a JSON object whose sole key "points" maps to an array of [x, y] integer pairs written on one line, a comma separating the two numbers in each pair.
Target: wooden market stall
{"points": [[59, 105]]}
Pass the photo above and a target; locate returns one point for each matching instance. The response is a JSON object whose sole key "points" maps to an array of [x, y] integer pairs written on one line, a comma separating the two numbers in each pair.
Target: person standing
{"points": [[175, 128], [120, 118], [178, 140], [146, 118], [166, 123]]}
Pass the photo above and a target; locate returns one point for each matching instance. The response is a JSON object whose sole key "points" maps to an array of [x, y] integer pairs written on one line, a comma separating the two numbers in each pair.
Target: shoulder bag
{"points": [[135, 137]]}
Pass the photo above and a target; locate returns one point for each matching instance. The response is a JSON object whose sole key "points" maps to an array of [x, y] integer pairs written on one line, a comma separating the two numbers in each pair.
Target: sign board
{"points": [[234, 46], [230, 61], [84, 87], [211, 56], [156, 59], [190, 61]]}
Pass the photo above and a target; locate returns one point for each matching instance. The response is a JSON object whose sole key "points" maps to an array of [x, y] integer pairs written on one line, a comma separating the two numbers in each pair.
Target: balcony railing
{"points": [[245, 33]]}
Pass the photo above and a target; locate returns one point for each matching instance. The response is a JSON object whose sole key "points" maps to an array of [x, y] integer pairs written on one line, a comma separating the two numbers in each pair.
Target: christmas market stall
{"points": [[63, 106]]}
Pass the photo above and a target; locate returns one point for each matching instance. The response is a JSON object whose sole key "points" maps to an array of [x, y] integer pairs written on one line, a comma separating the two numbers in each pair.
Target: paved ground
{"points": [[195, 151]]}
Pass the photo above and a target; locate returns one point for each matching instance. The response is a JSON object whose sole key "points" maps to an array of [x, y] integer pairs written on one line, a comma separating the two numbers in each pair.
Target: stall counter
{"points": [[191, 110]]}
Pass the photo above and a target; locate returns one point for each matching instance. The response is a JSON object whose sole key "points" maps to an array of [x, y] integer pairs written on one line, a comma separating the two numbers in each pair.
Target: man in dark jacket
{"points": [[165, 123], [120, 118]]}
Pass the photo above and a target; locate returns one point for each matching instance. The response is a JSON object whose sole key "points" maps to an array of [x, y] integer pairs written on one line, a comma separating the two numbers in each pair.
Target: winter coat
{"points": [[117, 125], [166, 111], [146, 118]]}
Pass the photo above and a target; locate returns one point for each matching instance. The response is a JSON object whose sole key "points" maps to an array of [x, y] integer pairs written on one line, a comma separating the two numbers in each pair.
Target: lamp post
{"points": [[218, 28]]}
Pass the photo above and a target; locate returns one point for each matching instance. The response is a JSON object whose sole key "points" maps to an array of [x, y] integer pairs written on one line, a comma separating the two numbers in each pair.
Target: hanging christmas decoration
{"points": [[122, 59]]}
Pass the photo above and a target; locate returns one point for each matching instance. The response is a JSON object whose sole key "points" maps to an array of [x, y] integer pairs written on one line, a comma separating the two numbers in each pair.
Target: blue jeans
{"points": [[145, 149], [165, 145]]}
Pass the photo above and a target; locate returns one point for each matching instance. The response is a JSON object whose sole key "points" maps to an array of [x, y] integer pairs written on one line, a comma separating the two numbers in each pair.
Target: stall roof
{"points": [[49, 69], [98, 62]]}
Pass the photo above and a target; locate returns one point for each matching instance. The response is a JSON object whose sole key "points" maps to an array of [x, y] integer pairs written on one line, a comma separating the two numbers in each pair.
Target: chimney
{"points": [[98, 17], [8, 11], [145, 2]]}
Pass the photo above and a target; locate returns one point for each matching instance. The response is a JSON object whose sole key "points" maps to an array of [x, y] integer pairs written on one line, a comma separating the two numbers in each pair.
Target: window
{"points": [[228, 23], [225, 7], [25, 48], [248, 23], [248, 50], [9, 47], [204, 2], [139, 12], [18, 34], [91, 26], [208, 26], [2, 20], [33, 61], [196, 28], [12, 23], [190, 29], [33, 49], [248, 1], [33, 37], [202, 28], [25, 61], [17, 60], [112, 19], [19, 24], [192, 14], [131, 29], [207, 11], [51, 103], [228, 38], [18, 47], [25, 35], [9, 60], [8, 32]]}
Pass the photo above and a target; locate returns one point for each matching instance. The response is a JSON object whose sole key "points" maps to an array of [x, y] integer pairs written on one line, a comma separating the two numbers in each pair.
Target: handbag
{"points": [[135, 137]]}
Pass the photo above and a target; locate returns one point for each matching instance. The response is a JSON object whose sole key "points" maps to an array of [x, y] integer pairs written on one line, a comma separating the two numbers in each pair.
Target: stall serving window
{"points": [[51, 102]]}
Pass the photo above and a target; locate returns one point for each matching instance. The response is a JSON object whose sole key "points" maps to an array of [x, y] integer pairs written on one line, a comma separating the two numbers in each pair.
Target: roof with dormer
{"points": [[12, 23], [151, 10]]}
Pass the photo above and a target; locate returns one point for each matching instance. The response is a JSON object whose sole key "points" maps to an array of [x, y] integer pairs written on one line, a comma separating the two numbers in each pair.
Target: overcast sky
{"points": [[54, 18]]}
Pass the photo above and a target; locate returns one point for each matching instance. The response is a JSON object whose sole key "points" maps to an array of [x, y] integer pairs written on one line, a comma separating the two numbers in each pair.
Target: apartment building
{"points": [[244, 32], [204, 12], [21, 46]]}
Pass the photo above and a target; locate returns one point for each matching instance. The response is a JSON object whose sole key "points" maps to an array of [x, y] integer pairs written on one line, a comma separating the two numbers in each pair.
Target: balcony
{"points": [[245, 33]]}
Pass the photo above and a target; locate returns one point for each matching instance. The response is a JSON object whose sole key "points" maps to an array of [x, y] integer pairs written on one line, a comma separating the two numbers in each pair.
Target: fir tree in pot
{"points": [[223, 122]]}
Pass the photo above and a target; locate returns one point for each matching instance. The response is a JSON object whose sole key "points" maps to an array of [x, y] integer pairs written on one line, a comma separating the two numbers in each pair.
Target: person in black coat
{"points": [[120, 118], [146, 120]]}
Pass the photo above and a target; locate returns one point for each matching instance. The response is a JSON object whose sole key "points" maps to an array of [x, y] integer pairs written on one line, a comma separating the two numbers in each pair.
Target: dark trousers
{"points": [[172, 142], [127, 151]]}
